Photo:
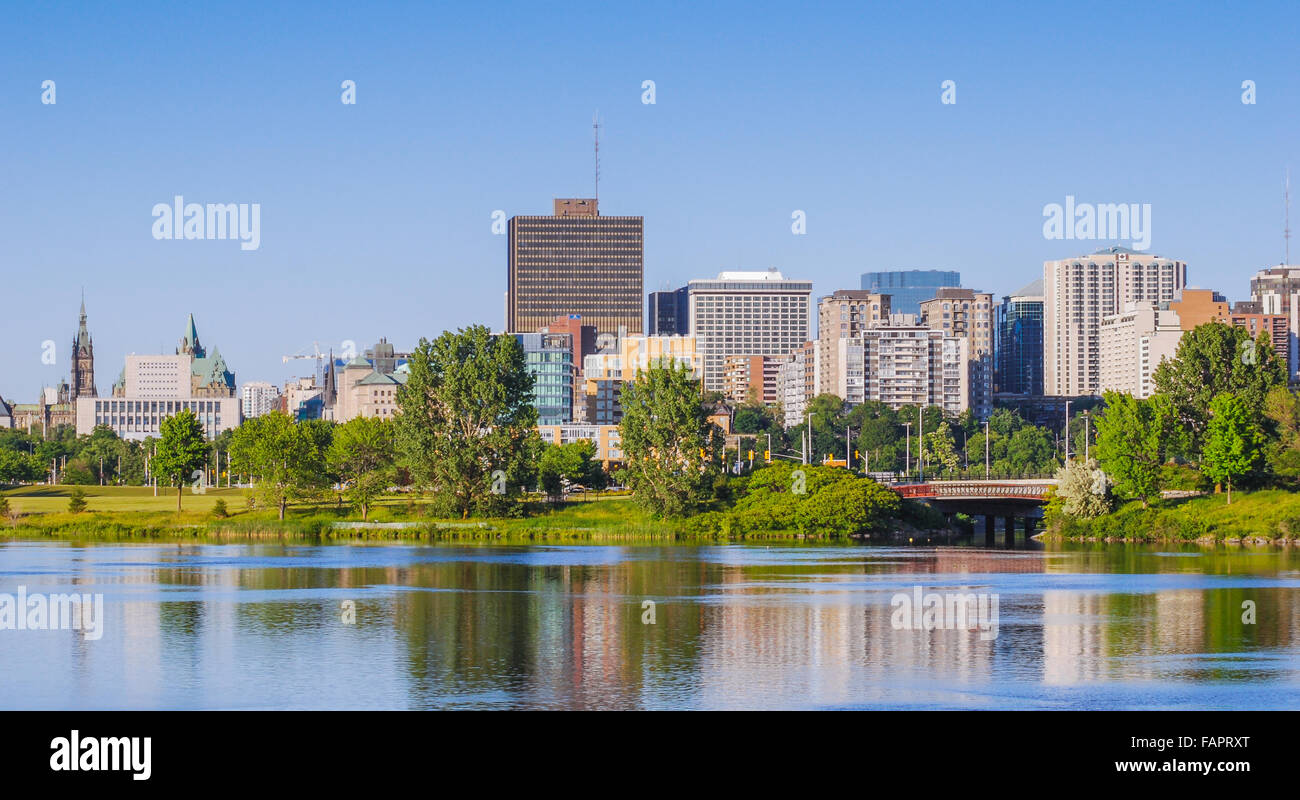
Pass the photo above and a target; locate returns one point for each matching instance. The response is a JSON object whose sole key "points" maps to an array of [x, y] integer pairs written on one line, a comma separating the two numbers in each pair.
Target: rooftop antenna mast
{"points": [[595, 132], [1286, 199]]}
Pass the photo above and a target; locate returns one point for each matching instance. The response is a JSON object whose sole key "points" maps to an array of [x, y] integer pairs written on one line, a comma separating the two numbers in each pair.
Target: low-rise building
{"points": [[604, 437]]}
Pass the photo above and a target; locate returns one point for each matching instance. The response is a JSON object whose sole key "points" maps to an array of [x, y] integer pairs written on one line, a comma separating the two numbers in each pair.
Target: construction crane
{"points": [[318, 356]]}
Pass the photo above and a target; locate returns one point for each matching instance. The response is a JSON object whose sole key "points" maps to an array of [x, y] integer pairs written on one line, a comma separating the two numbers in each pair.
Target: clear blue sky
{"points": [[376, 218]]}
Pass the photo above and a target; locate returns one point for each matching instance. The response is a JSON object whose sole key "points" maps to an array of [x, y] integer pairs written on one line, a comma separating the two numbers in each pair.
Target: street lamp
{"points": [[986, 449], [907, 469], [1067, 431], [807, 449]]}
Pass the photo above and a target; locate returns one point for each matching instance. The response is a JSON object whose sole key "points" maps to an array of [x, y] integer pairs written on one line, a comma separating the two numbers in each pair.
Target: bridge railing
{"points": [[1019, 490]]}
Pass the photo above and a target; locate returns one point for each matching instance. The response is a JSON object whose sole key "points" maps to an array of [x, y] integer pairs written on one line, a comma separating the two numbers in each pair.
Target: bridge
{"points": [[1013, 500]]}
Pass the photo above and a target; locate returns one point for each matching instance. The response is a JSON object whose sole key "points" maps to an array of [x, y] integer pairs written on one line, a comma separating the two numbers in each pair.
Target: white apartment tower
{"points": [[1133, 344], [746, 314], [1078, 293]]}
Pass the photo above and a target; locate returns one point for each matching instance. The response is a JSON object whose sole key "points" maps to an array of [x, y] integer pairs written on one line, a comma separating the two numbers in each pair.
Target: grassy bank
{"points": [[1271, 516], [134, 514]]}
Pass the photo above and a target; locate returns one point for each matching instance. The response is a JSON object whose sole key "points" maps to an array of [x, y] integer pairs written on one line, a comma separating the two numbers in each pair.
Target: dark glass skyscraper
{"points": [[1020, 342], [908, 288], [670, 313]]}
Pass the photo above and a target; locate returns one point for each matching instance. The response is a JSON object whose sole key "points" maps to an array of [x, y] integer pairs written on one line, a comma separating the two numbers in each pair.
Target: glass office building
{"points": [[908, 288], [549, 359], [1020, 342]]}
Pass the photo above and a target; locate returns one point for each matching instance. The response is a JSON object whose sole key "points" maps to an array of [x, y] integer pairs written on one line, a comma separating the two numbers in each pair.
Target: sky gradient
{"points": [[376, 217]]}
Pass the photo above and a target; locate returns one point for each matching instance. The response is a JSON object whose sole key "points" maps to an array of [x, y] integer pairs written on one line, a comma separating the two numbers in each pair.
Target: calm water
{"points": [[262, 626]]}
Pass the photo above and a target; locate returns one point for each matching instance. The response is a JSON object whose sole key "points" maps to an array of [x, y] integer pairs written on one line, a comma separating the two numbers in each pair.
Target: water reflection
{"points": [[263, 626]]}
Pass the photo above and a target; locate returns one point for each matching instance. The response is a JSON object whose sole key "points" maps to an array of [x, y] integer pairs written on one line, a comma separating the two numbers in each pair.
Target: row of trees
{"points": [[1222, 415]]}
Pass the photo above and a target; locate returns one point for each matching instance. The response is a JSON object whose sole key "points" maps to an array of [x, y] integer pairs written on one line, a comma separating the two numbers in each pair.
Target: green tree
{"points": [[467, 412], [670, 447], [1282, 453], [77, 500], [1214, 359], [1232, 441], [566, 463], [1132, 443], [4, 506], [363, 454], [182, 450], [283, 458], [941, 449]]}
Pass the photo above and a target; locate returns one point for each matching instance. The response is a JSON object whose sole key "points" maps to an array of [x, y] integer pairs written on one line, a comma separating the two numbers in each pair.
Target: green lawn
{"points": [[1271, 514]]}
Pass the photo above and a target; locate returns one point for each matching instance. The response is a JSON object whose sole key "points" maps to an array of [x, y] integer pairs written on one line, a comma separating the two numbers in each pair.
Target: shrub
{"points": [[219, 509], [77, 500]]}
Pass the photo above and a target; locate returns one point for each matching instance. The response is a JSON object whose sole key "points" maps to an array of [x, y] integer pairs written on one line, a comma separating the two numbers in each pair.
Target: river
{"points": [[387, 626]]}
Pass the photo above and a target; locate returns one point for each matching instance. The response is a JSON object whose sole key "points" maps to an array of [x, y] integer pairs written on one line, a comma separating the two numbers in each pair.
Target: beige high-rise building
{"points": [[908, 364], [967, 314], [1078, 293], [1132, 345], [575, 262], [757, 378], [843, 315]]}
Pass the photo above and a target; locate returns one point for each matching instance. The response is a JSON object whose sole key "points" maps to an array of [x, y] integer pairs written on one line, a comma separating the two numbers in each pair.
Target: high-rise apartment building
{"points": [[909, 287], [1132, 345], [575, 262], [842, 316], [747, 314], [1079, 292], [1277, 291], [753, 378], [797, 378], [1019, 348], [906, 364], [669, 313], [967, 314], [258, 397]]}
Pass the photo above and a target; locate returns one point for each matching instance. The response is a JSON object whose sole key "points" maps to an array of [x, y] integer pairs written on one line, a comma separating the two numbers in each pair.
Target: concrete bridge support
{"points": [[990, 525], [1011, 530]]}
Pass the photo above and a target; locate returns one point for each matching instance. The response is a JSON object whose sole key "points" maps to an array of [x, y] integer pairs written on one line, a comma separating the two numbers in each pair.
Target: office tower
{"points": [[258, 398], [669, 313], [747, 314], [842, 316], [575, 262], [1019, 349], [549, 359], [1079, 292], [903, 363], [909, 287], [968, 314], [1132, 345], [1277, 291]]}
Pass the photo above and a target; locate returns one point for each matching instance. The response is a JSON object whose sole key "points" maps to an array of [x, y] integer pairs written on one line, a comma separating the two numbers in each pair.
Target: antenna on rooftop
{"points": [[595, 133], [1286, 199]]}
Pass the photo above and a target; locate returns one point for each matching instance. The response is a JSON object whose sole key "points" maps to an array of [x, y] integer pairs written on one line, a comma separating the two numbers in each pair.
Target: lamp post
{"points": [[986, 449], [907, 468], [808, 442], [1067, 431], [1087, 416], [920, 443]]}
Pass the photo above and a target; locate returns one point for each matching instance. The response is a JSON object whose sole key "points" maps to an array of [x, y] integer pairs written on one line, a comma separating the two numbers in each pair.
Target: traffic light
{"points": [[855, 455], [767, 456], [751, 455], [701, 453]]}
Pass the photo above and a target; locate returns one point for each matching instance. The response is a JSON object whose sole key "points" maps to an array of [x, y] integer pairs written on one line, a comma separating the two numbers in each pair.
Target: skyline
{"points": [[376, 218]]}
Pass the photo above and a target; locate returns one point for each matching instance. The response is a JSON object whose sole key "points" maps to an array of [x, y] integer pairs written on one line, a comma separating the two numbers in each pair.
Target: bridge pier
{"points": [[1011, 530], [1029, 527], [990, 528]]}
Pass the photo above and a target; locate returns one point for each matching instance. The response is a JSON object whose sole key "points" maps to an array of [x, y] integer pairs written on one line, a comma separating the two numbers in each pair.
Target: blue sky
{"points": [[376, 217]]}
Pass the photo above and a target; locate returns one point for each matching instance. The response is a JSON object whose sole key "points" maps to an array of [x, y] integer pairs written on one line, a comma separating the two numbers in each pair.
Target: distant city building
{"points": [[549, 360], [575, 262], [743, 313], [605, 372], [6, 415], [1196, 307], [967, 314], [1079, 292], [797, 378], [258, 397], [669, 313], [842, 316], [606, 438], [1277, 291], [83, 361], [908, 364], [1019, 349], [753, 379], [152, 388], [908, 288], [1133, 344]]}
